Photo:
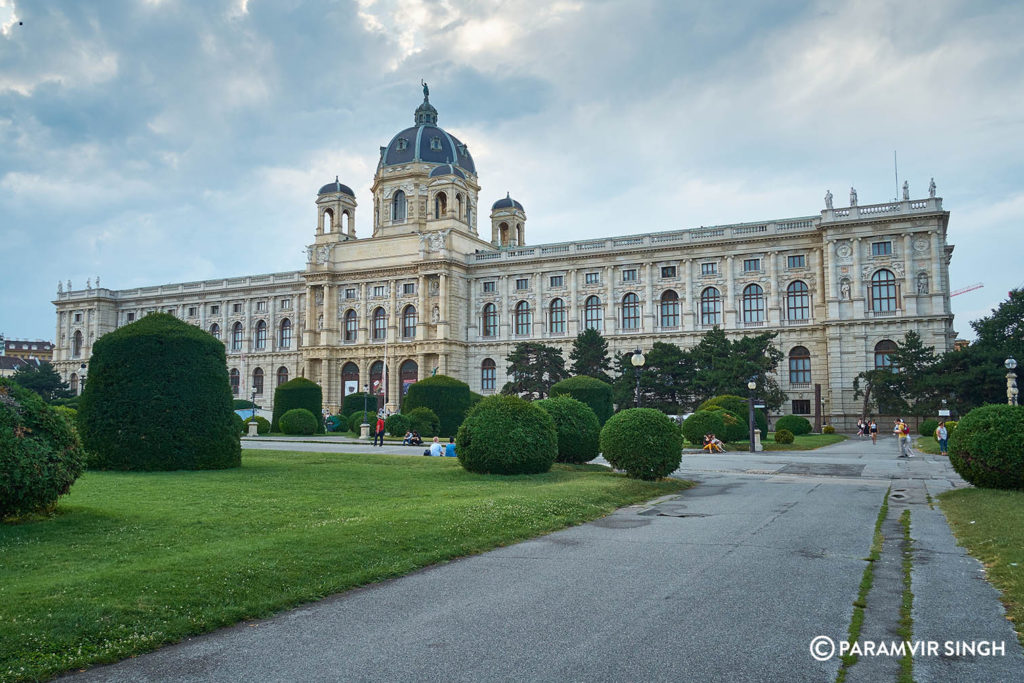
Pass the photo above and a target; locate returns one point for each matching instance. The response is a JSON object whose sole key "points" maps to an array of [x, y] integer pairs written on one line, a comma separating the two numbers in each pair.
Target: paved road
{"points": [[728, 581]]}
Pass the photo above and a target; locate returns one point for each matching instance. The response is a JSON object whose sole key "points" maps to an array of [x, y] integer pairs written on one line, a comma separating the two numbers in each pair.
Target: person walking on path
{"points": [[902, 438], [378, 434], [942, 436]]}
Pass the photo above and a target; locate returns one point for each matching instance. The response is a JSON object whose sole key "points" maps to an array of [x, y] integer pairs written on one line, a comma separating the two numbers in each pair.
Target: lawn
{"points": [[804, 442], [927, 444], [990, 524], [132, 561]]}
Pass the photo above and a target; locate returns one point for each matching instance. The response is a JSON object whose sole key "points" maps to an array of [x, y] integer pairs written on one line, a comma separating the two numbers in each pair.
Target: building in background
{"points": [[432, 288], [23, 348]]}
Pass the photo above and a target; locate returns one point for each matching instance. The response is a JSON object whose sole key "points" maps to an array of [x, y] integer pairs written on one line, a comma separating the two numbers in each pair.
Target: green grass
{"points": [[906, 627], [132, 561], [804, 442], [990, 524]]}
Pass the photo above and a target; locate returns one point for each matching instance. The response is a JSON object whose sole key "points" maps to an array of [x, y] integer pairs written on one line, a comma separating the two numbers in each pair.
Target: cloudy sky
{"points": [[155, 141]]}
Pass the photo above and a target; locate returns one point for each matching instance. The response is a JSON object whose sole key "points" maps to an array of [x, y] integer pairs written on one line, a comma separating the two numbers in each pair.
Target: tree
{"points": [[666, 380], [724, 367], [533, 367], [42, 379], [589, 355]]}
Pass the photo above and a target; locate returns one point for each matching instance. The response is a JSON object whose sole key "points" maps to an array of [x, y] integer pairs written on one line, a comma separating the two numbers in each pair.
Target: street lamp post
{"points": [[1011, 381], [638, 360], [364, 428], [751, 385], [81, 378], [253, 401]]}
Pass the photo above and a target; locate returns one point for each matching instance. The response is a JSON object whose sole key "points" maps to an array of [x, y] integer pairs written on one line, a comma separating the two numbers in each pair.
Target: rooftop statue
{"points": [[426, 90]]}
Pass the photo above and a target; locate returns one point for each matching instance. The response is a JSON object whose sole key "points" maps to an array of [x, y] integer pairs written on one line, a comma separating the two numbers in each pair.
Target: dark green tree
{"points": [[534, 367], [42, 379], [666, 380], [722, 366], [908, 386], [589, 355]]}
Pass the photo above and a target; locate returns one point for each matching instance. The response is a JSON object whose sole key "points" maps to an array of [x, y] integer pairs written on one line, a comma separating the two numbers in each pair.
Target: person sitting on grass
{"points": [[436, 449], [449, 449], [708, 446], [717, 444], [415, 439], [408, 439]]}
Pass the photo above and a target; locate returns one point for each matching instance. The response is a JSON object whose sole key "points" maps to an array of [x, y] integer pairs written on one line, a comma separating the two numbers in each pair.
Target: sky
{"points": [[157, 141]]}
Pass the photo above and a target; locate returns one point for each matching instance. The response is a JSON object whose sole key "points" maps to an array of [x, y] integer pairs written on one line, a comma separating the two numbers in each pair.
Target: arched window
{"points": [[630, 312], [398, 206], [380, 324], [670, 309], [76, 345], [798, 301], [592, 313], [883, 292], [557, 317], [408, 373], [753, 304], [524, 318], [710, 307], [883, 355], [215, 330], [799, 365], [490, 321], [257, 380], [236, 337], [377, 378], [345, 218], [285, 341], [233, 377], [469, 214], [458, 206], [351, 325], [73, 384], [282, 375], [440, 205], [328, 220], [349, 378], [260, 340], [409, 322], [487, 374]]}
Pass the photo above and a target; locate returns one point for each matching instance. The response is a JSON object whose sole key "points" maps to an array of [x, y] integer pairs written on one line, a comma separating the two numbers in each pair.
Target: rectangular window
{"points": [[350, 293], [236, 308], [751, 265], [193, 311], [489, 286], [796, 261], [170, 311], [261, 306], [668, 271], [379, 290], [131, 316], [286, 304], [629, 275], [801, 407], [214, 310], [522, 283], [557, 280], [708, 268], [408, 288], [592, 278], [78, 317], [881, 248]]}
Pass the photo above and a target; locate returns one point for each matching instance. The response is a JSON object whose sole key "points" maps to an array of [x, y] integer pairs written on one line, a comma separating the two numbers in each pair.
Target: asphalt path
{"points": [[730, 580]]}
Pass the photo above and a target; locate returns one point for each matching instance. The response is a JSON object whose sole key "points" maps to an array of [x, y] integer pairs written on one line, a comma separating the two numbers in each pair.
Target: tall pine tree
{"points": [[589, 355]]}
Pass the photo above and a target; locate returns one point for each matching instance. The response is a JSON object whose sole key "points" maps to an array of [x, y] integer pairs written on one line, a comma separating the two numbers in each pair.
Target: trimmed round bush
{"points": [[784, 436], [736, 428], [238, 422], [40, 453], [158, 398], [828, 429], [507, 435], [353, 403], [423, 421], [985, 448], [262, 425], [703, 422], [298, 393], [793, 423], [738, 405], [299, 421], [928, 427], [355, 420], [243, 404], [396, 425], [577, 427], [644, 442], [589, 390], [449, 398]]}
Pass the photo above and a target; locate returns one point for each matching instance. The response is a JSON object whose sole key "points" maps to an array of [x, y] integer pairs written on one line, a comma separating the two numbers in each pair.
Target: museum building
{"points": [[426, 292]]}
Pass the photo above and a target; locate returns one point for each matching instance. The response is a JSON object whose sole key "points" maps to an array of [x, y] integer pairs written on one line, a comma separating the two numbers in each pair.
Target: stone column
{"points": [[539, 320], [648, 324], [611, 319], [776, 294], [908, 292], [442, 323], [422, 314], [572, 312], [363, 334], [504, 311], [935, 286], [731, 298]]}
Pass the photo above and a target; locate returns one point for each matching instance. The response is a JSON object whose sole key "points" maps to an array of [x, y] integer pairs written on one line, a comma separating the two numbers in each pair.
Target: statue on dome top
{"points": [[426, 90]]}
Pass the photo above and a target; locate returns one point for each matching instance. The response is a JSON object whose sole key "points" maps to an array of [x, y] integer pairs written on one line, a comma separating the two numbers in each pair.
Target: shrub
{"points": [[446, 396], [424, 421], [299, 421], [643, 442], [928, 427], [358, 418], [396, 425], [950, 426], [158, 398], [784, 436], [736, 428], [507, 435], [353, 403], [793, 423], [262, 425], [335, 423], [40, 453], [828, 429], [589, 390], [298, 393], [985, 447], [738, 405], [577, 427], [703, 422], [243, 404], [239, 423]]}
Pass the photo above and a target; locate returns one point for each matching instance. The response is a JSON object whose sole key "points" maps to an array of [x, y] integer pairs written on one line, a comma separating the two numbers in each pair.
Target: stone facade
{"points": [[426, 293]]}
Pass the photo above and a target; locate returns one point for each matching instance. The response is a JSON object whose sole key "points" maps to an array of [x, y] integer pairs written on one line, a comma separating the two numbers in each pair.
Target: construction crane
{"points": [[964, 290]]}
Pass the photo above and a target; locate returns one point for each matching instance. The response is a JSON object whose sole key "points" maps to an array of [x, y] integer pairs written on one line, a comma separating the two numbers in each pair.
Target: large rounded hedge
{"points": [[449, 398], [299, 421], [262, 424], [736, 428], [158, 398], [356, 420], [396, 425], [298, 393], [507, 435], [577, 427], [354, 403], [589, 390], [738, 405], [703, 422], [644, 442], [424, 422], [928, 427], [794, 423], [986, 447], [40, 454]]}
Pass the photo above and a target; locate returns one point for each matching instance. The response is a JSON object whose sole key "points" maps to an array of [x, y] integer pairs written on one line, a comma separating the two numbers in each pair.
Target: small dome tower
{"points": [[336, 213], [508, 223]]}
